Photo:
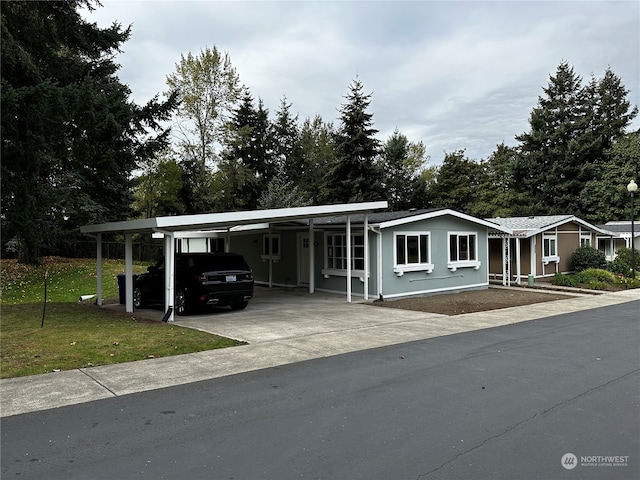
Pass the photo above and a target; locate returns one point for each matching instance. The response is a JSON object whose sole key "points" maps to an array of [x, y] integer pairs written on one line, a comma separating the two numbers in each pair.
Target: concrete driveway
{"points": [[285, 313]]}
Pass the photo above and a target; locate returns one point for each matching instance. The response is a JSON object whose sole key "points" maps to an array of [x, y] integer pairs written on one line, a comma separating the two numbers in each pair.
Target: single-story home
{"points": [[349, 248], [411, 253], [541, 246], [622, 229]]}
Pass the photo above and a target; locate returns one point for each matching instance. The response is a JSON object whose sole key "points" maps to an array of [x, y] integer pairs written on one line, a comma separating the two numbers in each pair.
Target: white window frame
{"points": [[551, 256], [585, 240], [330, 255], [268, 244], [452, 264], [423, 264]]}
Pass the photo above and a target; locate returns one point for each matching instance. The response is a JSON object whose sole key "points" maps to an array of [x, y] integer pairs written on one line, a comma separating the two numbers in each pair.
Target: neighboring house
{"points": [[409, 253], [623, 230], [541, 246]]}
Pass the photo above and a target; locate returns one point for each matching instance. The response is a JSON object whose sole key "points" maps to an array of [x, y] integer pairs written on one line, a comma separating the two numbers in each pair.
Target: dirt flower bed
{"points": [[472, 301]]}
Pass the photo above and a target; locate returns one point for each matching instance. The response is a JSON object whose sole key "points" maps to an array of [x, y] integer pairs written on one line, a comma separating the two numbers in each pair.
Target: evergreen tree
{"points": [[549, 172], [247, 165], [355, 177], [401, 166], [157, 189], [605, 197], [70, 135], [498, 195], [286, 141], [315, 153], [458, 182], [572, 131]]}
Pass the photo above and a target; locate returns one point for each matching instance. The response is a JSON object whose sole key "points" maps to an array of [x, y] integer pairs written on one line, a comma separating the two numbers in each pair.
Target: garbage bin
{"points": [[122, 291], [121, 288], [530, 280]]}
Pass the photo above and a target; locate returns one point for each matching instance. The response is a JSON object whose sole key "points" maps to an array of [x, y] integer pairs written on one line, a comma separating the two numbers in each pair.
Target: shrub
{"points": [[626, 282], [595, 275], [587, 257], [622, 263], [561, 280]]}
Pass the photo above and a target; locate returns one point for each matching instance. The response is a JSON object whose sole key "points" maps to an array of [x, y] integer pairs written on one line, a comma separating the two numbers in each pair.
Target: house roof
{"points": [[212, 221], [391, 219], [529, 226], [623, 227]]}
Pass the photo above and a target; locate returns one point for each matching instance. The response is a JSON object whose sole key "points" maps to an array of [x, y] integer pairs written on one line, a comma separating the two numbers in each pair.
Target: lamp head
{"points": [[632, 187]]}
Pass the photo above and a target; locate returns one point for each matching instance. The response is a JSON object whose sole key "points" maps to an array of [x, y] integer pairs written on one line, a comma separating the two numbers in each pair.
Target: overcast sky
{"points": [[452, 74]]}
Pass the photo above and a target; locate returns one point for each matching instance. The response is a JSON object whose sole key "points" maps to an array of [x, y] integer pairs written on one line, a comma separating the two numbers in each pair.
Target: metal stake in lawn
{"points": [[44, 307]]}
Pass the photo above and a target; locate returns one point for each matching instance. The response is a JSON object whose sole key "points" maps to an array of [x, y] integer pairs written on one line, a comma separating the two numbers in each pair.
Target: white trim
{"points": [[366, 256], [210, 221], [453, 265], [99, 269], [440, 213], [437, 290], [401, 269], [349, 258]]}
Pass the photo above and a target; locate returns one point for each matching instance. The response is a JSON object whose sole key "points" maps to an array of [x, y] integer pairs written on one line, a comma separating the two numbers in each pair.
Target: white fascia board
{"points": [[124, 226], [208, 221], [439, 213], [572, 218], [195, 222]]}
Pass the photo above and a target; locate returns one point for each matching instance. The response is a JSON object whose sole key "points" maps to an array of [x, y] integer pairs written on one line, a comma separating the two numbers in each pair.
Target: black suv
{"points": [[217, 279]]}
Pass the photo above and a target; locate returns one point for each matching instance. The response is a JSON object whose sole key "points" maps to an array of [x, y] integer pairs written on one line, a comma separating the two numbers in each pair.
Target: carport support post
{"points": [[518, 268], [366, 256], [128, 272], [348, 266], [270, 252], [99, 269], [312, 284], [169, 273]]}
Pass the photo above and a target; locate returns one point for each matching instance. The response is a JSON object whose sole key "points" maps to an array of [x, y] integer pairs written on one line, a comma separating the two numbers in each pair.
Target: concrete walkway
{"points": [[281, 328]]}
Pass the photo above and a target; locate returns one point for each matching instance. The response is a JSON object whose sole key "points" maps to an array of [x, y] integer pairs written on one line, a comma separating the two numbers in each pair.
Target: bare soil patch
{"points": [[472, 301]]}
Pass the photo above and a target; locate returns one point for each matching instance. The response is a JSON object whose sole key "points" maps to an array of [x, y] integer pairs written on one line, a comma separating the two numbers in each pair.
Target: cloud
{"points": [[454, 74]]}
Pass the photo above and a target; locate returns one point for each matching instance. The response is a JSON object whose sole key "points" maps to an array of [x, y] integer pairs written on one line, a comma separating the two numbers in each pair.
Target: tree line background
{"points": [[76, 150]]}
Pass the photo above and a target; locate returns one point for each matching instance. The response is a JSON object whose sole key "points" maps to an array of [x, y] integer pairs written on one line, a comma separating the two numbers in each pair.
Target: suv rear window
{"points": [[213, 262]]}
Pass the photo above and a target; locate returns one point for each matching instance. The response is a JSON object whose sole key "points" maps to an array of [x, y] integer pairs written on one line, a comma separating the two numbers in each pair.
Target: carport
{"points": [[173, 226]]}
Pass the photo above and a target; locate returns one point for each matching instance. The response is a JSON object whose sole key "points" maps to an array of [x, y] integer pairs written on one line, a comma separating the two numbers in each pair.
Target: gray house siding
{"points": [[395, 279], [441, 278]]}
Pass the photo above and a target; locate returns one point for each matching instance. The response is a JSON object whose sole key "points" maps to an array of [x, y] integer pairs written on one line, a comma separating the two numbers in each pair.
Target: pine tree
{"points": [[552, 160], [355, 177], [70, 135], [247, 163], [402, 163], [458, 182]]}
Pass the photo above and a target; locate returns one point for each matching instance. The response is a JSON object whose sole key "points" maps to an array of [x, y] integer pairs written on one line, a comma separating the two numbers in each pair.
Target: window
{"points": [[337, 252], [412, 252], [463, 250], [550, 249], [271, 247], [585, 240]]}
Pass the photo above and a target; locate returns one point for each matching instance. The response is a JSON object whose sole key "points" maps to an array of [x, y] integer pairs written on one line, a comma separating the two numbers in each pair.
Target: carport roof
{"points": [[211, 221]]}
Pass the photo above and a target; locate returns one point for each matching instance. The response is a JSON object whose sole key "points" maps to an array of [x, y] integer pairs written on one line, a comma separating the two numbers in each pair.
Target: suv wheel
{"points": [[181, 303], [138, 299]]}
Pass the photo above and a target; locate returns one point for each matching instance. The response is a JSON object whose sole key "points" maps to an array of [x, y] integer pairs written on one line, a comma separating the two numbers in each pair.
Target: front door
{"points": [[303, 259]]}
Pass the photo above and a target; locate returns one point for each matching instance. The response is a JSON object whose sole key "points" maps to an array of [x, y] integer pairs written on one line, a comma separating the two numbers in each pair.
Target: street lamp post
{"points": [[632, 188]]}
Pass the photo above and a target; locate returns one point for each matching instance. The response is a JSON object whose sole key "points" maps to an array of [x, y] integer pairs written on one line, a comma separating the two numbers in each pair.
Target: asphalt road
{"points": [[501, 403]]}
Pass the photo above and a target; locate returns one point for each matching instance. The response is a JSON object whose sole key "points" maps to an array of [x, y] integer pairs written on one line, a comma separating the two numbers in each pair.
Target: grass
{"points": [[79, 335]]}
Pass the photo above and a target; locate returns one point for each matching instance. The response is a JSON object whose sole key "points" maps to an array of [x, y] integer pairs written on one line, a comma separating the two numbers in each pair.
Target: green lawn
{"points": [[79, 335]]}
